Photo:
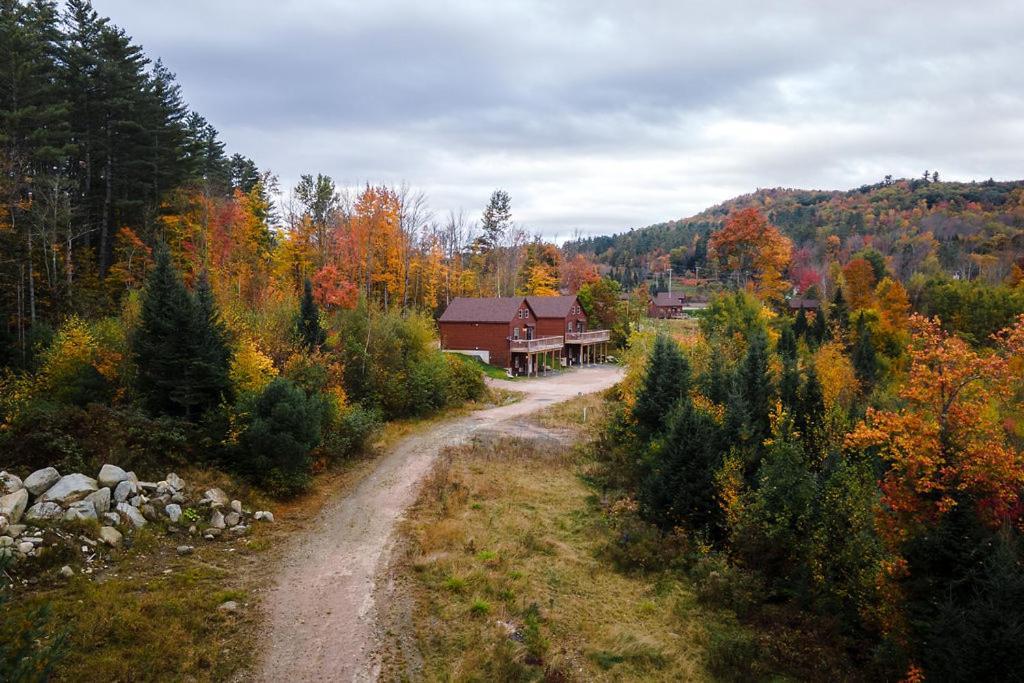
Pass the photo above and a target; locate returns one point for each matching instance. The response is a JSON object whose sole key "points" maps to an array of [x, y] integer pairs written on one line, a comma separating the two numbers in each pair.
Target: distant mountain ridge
{"points": [[966, 227]]}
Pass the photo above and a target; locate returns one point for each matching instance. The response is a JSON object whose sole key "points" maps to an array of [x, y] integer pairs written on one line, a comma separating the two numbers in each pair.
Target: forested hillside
{"points": [[966, 230]]}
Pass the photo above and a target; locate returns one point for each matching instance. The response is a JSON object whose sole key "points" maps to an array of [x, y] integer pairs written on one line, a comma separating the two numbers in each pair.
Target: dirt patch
{"points": [[323, 609]]}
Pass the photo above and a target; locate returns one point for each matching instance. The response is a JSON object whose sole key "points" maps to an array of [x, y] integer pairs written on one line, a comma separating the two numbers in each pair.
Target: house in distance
{"points": [[525, 335], [669, 305]]}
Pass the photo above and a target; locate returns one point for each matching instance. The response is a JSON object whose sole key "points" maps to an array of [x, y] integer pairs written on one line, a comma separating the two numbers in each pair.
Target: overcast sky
{"points": [[596, 115]]}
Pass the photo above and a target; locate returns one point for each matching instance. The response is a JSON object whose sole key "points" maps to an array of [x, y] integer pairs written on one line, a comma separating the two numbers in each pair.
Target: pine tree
{"points": [[716, 381], [496, 221], [161, 346], [311, 333], [820, 330], [667, 380], [800, 327], [810, 414], [789, 382], [865, 358], [211, 356], [180, 346], [679, 488], [757, 385], [840, 312]]}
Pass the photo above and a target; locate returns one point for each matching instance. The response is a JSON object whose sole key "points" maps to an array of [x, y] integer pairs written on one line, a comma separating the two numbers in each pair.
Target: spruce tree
{"points": [[865, 358], [789, 382], [311, 333], [840, 312], [679, 488], [716, 381], [162, 346], [810, 414], [800, 327], [211, 356], [667, 380], [757, 385], [820, 330]]}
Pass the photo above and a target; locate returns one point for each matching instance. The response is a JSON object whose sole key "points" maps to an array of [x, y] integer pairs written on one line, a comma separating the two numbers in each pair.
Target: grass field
{"points": [[508, 582]]}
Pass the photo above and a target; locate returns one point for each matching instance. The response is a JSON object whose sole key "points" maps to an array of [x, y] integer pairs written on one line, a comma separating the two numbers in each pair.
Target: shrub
{"points": [[465, 380], [347, 435], [284, 426]]}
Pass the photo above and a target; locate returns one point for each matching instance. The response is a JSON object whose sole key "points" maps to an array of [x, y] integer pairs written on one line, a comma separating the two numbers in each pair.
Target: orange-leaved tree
{"points": [[749, 245], [947, 445]]}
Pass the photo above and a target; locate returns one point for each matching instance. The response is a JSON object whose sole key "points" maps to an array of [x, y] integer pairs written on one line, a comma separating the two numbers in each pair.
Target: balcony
{"points": [[537, 345], [591, 337]]}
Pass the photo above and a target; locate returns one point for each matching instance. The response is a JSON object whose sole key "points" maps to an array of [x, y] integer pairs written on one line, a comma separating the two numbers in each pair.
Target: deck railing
{"points": [[591, 337], [535, 345]]}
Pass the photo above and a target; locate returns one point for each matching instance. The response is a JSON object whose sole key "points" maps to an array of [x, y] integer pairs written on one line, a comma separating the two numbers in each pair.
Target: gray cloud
{"points": [[600, 115]]}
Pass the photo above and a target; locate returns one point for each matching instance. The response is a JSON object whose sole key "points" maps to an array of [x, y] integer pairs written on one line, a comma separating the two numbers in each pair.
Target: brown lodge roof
{"points": [[495, 309], [666, 299], [551, 306]]}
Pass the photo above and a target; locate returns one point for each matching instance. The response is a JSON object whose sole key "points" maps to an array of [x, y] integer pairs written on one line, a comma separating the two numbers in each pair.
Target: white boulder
{"points": [[100, 500], [131, 514], [125, 490], [43, 511], [70, 488], [217, 520], [10, 483], [83, 509], [264, 516], [175, 482], [173, 512], [110, 536], [216, 498], [112, 475], [40, 480], [12, 506]]}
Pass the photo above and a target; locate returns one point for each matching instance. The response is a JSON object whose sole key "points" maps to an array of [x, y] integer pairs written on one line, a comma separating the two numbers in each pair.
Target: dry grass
{"points": [[507, 583]]}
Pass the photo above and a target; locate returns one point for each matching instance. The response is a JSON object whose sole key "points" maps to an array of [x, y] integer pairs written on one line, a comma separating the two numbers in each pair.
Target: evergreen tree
{"points": [[667, 380], [840, 313], [865, 358], [679, 488], [716, 382], [819, 332], [211, 356], [161, 346], [179, 346], [311, 333], [810, 414], [758, 388], [496, 221], [737, 414], [800, 327], [789, 382]]}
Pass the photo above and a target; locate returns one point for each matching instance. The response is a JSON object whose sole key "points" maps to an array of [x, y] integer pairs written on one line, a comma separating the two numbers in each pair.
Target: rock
{"points": [[43, 511], [232, 519], [173, 512], [136, 501], [229, 606], [9, 483], [25, 547], [216, 497], [131, 514], [213, 532], [70, 488], [111, 518], [217, 519], [236, 505], [12, 506], [175, 482], [161, 500], [15, 530], [179, 498], [34, 540], [6, 541], [162, 487], [67, 572], [264, 516], [184, 550], [83, 509], [111, 536], [147, 485], [100, 500], [132, 478], [4, 523], [40, 480], [149, 512], [125, 490], [239, 530], [111, 476]]}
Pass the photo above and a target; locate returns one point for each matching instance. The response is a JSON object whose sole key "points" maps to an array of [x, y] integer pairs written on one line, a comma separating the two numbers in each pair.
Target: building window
{"points": [[515, 333]]}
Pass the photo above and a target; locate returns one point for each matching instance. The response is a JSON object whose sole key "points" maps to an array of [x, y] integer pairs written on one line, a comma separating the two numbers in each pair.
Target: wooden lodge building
{"points": [[668, 305], [523, 334]]}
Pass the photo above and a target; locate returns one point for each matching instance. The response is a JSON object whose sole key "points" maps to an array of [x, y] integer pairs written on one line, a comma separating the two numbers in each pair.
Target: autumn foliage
{"points": [[751, 246]]}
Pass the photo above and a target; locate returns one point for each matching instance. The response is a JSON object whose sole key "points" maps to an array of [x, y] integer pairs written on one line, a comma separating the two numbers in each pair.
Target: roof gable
{"points": [[666, 299], [494, 309], [551, 306]]}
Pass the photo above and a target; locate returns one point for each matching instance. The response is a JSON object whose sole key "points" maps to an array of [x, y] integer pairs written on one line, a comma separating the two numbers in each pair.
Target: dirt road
{"points": [[321, 610]]}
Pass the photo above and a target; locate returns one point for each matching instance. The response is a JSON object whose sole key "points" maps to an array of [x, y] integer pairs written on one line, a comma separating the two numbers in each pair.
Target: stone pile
{"points": [[114, 499]]}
